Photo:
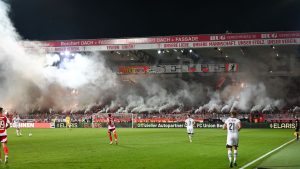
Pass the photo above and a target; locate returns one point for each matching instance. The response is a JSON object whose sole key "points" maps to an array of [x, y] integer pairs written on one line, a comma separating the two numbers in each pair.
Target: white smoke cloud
{"points": [[28, 81], [31, 80]]}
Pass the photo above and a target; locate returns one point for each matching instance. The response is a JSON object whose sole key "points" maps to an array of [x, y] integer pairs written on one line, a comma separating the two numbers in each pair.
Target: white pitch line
{"points": [[263, 156]]}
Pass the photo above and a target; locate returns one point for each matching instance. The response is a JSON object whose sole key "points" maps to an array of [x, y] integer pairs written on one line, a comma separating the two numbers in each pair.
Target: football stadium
{"points": [[151, 102]]}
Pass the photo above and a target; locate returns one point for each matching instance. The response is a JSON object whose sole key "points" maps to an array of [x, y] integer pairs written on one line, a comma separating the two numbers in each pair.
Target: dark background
{"points": [[84, 19]]}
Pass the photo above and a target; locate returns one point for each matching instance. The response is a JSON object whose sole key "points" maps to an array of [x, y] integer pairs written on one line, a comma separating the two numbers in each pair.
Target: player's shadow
{"points": [[125, 146], [5, 166], [273, 167]]}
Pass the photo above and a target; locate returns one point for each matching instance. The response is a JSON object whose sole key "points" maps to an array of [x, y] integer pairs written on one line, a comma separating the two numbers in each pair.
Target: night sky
{"points": [[87, 19]]}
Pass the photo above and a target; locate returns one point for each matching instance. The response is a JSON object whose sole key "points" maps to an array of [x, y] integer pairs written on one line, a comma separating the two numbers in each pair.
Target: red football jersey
{"points": [[111, 123], [3, 122]]}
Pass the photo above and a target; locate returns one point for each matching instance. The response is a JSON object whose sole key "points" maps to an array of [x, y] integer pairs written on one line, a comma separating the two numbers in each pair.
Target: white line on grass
{"points": [[263, 156]]}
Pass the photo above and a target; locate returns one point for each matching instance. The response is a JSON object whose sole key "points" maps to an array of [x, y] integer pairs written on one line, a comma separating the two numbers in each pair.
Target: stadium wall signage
{"points": [[154, 125], [209, 125], [63, 124], [217, 125], [33, 125], [177, 125], [104, 124], [170, 42], [282, 125]]}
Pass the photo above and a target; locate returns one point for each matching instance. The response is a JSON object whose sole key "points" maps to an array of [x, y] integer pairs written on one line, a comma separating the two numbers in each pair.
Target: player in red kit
{"points": [[4, 124], [111, 128]]}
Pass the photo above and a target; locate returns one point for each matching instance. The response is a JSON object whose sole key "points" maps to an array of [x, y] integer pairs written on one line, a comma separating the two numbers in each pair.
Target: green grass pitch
{"points": [[137, 149], [288, 157]]}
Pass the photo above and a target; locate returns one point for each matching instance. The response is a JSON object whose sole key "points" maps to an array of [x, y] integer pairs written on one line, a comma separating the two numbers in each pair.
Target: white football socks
{"points": [[234, 156], [229, 155]]}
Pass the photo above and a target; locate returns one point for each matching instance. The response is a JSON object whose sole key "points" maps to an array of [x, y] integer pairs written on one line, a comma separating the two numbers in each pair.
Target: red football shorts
{"points": [[3, 139]]}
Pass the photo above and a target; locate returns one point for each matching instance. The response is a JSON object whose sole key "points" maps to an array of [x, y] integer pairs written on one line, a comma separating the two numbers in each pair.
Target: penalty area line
{"points": [[263, 156]]}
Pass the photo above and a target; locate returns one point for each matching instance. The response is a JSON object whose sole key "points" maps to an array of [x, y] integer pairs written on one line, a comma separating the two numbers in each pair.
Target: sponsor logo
{"points": [[177, 125], [27, 125], [218, 37], [63, 125], [282, 125], [209, 125], [269, 35]]}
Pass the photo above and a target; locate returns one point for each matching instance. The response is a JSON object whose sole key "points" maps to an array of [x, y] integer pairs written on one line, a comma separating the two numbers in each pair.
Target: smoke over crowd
{"points": [[30, 80]]}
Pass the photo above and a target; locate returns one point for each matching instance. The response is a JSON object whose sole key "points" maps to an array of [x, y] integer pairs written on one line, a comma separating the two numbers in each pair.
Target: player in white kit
{"points": [[233, 126], [16, 121], [189, 122]]}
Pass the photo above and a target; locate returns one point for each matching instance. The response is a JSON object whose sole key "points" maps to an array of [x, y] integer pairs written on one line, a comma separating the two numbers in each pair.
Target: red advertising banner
{"points": [[33, 125], [173, 42], [208, 44], [173, 39], [42, 125], [26, 125]]}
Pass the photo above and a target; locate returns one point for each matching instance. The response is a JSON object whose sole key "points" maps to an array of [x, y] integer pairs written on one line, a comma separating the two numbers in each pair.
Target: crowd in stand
{"points": [[94, 115]]}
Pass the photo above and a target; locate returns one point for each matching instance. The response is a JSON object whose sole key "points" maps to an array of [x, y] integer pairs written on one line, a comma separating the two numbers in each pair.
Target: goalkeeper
{"points": [[297, 129], [68, 121]]}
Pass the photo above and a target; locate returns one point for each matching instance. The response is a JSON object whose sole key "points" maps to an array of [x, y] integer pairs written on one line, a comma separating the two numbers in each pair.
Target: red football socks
{"points": [[109, 135], [115, 135], [5, 150]]}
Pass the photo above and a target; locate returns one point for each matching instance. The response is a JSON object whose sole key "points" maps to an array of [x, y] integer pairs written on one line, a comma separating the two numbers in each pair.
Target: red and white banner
{"points": [[208, 44], [191, 68], [133, 69], [173, 42], [231, 67], [33, 125]]}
